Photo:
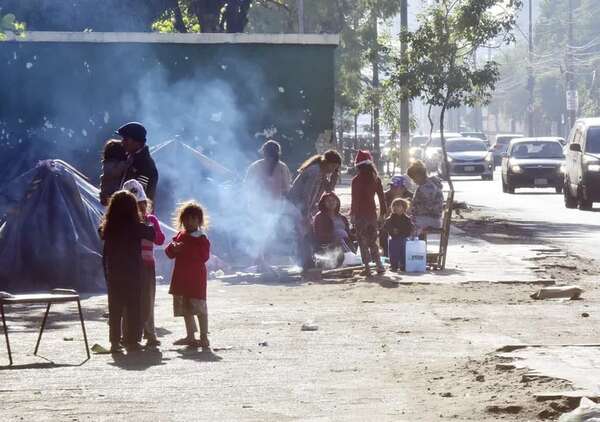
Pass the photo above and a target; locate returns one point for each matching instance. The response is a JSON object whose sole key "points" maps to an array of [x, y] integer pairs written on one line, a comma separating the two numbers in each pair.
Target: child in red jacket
{"points": [[191, 249], [366, 185]]}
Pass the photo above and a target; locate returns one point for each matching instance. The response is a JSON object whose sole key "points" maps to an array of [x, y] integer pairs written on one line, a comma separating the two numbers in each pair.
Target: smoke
{"points": [[203, 111]]}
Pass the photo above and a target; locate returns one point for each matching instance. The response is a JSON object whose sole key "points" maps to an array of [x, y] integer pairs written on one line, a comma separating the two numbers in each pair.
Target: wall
{"points": [[63, 94]]}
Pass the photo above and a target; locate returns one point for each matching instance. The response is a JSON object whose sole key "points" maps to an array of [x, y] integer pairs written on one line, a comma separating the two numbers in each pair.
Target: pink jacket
{"points": [[148, 246]]}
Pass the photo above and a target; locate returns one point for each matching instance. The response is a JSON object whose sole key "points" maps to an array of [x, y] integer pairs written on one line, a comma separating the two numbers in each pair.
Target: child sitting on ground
{"points": [[399, 227], [148, 269], [114, 164], [191, 249], [331, 229]]}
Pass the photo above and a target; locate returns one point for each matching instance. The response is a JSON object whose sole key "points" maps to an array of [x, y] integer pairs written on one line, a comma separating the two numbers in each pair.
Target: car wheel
{"points": [[487, 177], [582, 203], [509, 188], [570, 201], [559, 189]]}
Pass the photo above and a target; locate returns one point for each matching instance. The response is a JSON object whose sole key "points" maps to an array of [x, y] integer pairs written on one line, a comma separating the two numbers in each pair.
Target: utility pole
{"points": [[531, 78], [571, 89], [301, 16], [404, 104]]}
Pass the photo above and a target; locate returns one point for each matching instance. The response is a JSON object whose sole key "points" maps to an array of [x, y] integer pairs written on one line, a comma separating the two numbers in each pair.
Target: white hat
{"points": [[136, 189]]}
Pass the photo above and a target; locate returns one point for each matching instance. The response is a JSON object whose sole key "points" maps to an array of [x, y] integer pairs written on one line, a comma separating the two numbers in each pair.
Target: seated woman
{"points": [[331, 230], [428, 202]]}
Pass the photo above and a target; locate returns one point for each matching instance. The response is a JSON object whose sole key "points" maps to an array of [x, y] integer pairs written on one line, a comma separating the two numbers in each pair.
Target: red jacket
{"points": [[189, 274], [364, 189]]}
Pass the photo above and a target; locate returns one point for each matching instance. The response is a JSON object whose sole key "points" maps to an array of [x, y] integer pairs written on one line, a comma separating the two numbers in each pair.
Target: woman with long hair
{"points": [[316, 175], [122, 231]]}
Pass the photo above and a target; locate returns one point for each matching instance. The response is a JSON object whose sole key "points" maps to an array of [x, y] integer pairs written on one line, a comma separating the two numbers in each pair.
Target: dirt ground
{"points": [[389, 348], [383, 350]]}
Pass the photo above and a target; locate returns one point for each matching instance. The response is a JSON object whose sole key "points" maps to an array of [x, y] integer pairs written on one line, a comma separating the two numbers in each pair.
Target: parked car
{"points": [[533, 163], [501, 145], [468, 157], [478, 135], [433, 152], [582, 166]]}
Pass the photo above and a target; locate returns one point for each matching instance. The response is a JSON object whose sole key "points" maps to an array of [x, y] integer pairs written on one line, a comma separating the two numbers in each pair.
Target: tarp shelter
{"points": [[49, 219], [48, 235]]}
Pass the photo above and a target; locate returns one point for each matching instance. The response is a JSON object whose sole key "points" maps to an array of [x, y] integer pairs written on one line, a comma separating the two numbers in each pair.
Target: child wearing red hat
{"points": [[363, 211]]}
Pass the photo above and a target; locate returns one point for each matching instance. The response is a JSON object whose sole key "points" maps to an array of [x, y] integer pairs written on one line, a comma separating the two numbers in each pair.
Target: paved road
{"points": [[541, 211]]}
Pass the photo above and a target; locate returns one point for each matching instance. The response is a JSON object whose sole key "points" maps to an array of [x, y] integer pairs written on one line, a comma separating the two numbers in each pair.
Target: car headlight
{"points": [[593, 167], [431, 154], [489, 158], [450, 159], [516, 168], [563, 169]]}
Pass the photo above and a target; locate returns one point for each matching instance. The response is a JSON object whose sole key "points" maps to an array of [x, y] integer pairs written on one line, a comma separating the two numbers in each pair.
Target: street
{"points": [[539, 212]]}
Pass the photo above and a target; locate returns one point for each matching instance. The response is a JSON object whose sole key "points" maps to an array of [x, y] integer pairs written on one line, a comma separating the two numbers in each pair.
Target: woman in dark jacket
{"points": [[122, 231]]}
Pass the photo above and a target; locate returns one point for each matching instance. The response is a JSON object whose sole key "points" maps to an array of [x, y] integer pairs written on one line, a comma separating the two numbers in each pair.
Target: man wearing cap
{"points": [[398, 189], [142, 168]]}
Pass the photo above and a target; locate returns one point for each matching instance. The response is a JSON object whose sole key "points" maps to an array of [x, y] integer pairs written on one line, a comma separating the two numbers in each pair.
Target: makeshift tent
{"points": [[49, 219]]}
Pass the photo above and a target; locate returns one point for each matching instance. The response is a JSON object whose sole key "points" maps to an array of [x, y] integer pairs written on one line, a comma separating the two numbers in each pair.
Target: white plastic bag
{"points": [[416, 256], [351, 259], [588, 411]]}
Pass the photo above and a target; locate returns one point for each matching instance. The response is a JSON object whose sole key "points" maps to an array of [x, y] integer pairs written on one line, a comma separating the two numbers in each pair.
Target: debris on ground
{"points": [[309, 326], [263, 344], [510, 409], [558, 292], [99, 350]]}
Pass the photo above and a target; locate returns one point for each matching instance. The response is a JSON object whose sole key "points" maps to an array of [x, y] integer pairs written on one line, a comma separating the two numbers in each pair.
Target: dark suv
{"points": [[582, 166]]}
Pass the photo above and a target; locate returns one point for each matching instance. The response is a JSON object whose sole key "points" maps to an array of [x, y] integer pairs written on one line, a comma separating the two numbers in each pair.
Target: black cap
{"points": [[133, 130]]}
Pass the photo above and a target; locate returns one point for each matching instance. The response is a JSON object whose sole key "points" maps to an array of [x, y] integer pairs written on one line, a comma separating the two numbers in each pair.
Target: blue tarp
{"points": [[48, 234], [49, 219]]}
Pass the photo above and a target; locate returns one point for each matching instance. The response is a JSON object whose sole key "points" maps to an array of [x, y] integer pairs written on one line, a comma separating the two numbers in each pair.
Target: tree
{"points": [[439, 68], [132, 15], [8, 23]]}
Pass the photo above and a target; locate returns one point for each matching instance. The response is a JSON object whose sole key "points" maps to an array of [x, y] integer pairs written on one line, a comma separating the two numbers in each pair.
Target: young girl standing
{"points": [[122, 231], [148, 269], [191, 249], [363, 211]]}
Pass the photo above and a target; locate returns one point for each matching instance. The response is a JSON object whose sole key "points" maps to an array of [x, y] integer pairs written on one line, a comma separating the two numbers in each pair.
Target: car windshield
{"points": [[537, 150], [592, 144], [463, 146]]}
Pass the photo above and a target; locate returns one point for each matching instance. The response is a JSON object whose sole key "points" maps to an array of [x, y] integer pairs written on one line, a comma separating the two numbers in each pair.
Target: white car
{"points": [[468, 157]]}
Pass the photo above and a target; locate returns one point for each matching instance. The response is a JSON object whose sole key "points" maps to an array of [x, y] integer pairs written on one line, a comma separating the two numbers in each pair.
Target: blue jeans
{"points": [[397, 252]]}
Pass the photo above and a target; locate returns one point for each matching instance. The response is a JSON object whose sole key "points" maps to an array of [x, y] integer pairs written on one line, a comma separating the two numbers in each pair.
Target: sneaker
{"points": [[116, 348], [133, 347], [152, 343], [186, 341]]}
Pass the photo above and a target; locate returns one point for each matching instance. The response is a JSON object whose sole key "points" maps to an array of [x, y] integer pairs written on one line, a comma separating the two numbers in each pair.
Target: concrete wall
{"points": [[63, 94]]}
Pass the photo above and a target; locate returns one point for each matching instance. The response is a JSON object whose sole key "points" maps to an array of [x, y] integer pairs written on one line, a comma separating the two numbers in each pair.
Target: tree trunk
{"points": [[375, 66], [179, 24], [445, 164], [356, 131]]}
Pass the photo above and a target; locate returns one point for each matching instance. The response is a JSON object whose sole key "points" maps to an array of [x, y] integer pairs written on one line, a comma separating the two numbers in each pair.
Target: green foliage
{"points": [[8, 23], [439, 67]]}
